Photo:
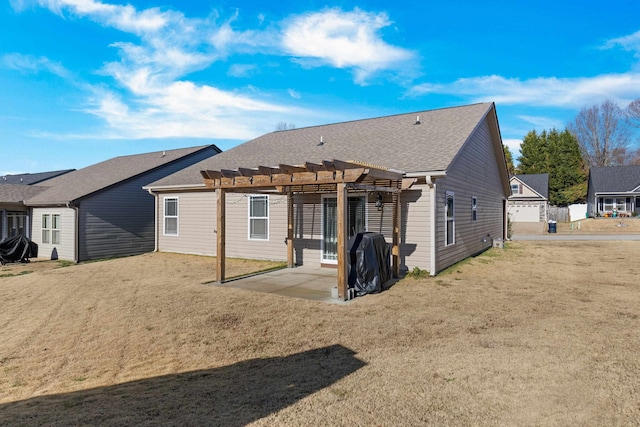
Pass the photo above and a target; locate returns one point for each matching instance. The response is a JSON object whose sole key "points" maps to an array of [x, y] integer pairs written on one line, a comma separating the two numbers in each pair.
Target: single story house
{"points": [[14, 189], [439, 177], [101, 211], [529, 200], [613, 191]]}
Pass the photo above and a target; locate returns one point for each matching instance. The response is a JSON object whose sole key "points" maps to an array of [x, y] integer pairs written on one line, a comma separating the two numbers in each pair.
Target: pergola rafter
{"points": [[340, 177]]}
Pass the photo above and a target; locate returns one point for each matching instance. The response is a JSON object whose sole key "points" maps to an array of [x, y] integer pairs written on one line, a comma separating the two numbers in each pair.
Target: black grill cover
{"points": [[18, 248], [369, 266]]}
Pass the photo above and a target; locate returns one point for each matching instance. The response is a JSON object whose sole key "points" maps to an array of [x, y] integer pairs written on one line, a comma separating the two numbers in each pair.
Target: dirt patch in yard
{"points": [[543, 333]]}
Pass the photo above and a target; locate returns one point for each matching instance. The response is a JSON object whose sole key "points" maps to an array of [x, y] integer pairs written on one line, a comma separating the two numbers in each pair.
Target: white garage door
{"points": [[524, 213]]}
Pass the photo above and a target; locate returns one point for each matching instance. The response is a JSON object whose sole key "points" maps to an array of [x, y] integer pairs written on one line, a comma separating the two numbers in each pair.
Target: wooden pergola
{"points": [[333, 176]]}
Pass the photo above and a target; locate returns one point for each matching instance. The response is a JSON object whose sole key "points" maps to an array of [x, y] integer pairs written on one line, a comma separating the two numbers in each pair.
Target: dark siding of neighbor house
{"points": [[475, 172], [120, 220]]}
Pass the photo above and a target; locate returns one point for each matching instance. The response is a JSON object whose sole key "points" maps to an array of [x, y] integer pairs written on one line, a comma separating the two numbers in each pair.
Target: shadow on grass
{"points": [[231, 396]]}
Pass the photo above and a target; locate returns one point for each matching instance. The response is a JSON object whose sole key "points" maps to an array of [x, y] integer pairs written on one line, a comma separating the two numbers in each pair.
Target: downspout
{"points": [[431, 182], [76, 220], [155, 219]]}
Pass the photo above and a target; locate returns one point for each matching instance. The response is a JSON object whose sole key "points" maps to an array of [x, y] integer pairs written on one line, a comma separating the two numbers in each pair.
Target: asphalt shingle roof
{"points": [[615, 178], [16, 193], [396, 142], [31, 178], [82, 182], [538, 182]]}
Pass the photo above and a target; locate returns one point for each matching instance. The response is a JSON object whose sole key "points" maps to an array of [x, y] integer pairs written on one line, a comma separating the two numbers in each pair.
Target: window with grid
{"points": [[474, 209], [55, 229], [258, 217], [171, 216], [450, 224], [46, 228]]}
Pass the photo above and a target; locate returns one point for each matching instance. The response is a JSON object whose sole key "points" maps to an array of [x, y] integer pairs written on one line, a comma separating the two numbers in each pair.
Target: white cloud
{"points": [[343, 40], [151, 95], [630, 42], [32, 64], [543, 122], [546, 92], [294, 94], [513, 145], [242, 70]]}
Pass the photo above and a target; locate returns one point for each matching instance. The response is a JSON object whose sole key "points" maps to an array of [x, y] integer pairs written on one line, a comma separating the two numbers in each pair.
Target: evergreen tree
{"points": [[509, 159], [533, 154], [558, 154]]}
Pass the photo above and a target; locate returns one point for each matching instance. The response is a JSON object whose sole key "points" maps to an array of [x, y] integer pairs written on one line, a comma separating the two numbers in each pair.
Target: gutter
{"points": [[76, 243], [155, 218]]}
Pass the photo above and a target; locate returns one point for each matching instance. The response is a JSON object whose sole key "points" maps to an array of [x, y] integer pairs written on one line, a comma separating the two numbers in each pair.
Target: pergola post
{"points": [[221, 236], [290, 258], [395, 249], [343, 273]]}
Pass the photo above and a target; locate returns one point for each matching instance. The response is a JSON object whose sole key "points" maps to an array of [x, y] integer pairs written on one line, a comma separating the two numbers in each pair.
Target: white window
{"points": [[258, 217], [46, 228], [474, 209], [55, 229], [450, 224], [515, 189], [170, 216]]}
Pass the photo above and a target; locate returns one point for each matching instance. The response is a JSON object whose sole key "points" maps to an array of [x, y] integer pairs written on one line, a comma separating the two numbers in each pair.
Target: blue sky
{"points": [[82, 81]]}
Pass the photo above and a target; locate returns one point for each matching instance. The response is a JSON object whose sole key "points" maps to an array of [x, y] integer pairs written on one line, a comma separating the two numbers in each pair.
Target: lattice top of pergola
{"points": [[310, 177]]}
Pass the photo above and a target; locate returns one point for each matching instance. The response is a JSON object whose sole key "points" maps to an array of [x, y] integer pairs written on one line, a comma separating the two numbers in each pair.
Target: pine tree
{"points": [[533, 153], [509, 158], [558, 154]]}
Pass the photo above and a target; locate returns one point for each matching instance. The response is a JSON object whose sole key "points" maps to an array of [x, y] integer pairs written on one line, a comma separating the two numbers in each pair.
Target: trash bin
{"points": [[552, 226]]}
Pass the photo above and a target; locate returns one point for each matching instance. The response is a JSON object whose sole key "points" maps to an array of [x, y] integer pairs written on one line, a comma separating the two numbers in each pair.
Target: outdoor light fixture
{"points": [[379, 203]]}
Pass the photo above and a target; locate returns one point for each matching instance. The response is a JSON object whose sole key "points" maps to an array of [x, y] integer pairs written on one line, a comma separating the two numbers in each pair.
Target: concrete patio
{"points": [[306, 282]]}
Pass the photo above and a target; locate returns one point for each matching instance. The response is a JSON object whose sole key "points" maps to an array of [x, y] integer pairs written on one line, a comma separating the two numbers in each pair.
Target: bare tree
{"points": [[285, 126], [603, 134], [633, 113]]}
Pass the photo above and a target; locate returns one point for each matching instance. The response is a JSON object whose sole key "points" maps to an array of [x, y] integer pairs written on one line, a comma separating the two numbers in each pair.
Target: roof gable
{"points": [[414, 142], [538, 182], [89, 180], [611, 179]]}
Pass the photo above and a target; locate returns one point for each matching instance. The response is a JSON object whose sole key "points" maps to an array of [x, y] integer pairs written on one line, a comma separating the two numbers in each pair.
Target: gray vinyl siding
{"points": [[120, 220], [238, 244], [196, 223], [475, 172], [66, 249], [415, 232]]}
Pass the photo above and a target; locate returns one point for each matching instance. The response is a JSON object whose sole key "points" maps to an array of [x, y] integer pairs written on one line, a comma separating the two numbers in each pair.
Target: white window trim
{"points": [[165, 216], [58, 229], [332, 196], [46, 229], [453, 218], [474, 208], [249, 217]]}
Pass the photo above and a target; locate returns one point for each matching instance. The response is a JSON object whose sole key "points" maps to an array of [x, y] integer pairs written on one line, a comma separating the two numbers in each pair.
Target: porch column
{"points": [[343, 273], [395, 249], [290, 258], [4, 231], [221, 236]]}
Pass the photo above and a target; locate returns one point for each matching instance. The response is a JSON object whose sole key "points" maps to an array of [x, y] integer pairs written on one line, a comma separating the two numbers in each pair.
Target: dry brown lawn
{"points": [[542, 333]]}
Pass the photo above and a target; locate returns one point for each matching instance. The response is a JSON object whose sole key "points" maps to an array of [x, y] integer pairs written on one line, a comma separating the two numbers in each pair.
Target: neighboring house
{"points": [[14, 215], [454, 209], [613, 191], [101, 211], [32, 178], [14, 189], [529, 200]]}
